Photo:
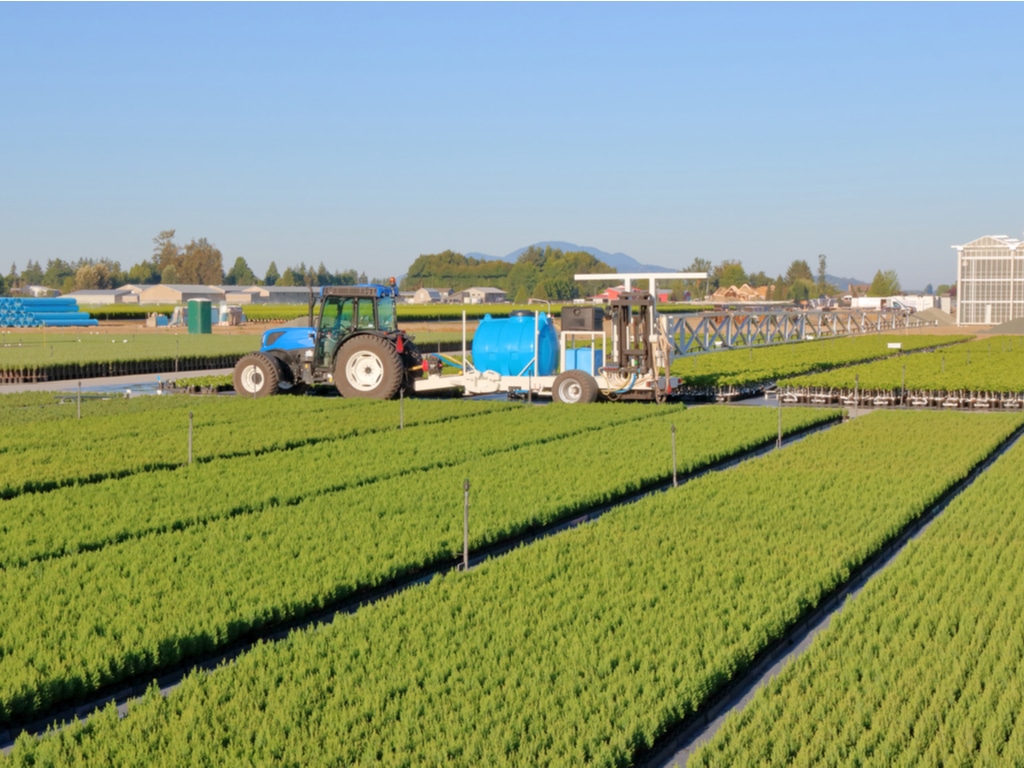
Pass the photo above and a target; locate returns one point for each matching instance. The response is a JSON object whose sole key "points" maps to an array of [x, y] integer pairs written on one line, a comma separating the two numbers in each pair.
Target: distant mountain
{"points": [[620, 261], [843, 283]]}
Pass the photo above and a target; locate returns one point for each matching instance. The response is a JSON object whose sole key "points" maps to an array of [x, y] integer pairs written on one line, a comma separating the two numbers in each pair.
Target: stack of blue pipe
{"points": [[32, 313]]}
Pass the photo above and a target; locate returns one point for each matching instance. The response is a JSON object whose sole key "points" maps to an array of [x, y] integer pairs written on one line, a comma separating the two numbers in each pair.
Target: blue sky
{"points": [[362, 135]]}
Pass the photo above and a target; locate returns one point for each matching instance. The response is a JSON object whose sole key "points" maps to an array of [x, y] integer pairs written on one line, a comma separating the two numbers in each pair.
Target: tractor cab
{"points": [[348, 310]]}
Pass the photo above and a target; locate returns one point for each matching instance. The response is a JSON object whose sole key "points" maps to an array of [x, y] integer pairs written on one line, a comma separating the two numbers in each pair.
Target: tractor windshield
{"points": [[386, 314]]}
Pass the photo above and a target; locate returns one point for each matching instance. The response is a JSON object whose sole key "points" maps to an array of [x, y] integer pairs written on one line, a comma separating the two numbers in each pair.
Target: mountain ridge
{"points": [[620, 261]]}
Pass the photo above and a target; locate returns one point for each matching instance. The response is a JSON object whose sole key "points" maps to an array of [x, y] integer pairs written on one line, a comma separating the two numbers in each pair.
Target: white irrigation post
{"points": [[465, 526], [675, 481], [190, 437], [778, 441], [79, 400], [903, 387]]}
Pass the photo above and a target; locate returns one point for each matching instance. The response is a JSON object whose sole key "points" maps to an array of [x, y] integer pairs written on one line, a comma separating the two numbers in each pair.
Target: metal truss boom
{"points": [[708, 331]]}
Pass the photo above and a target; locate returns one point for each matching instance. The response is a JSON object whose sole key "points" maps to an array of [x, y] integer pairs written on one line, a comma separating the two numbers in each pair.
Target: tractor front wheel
{"points": [[574, 387], [368, 366], [256, 375]]}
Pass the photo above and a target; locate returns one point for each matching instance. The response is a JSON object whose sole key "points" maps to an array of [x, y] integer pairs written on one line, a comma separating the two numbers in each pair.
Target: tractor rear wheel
{"points": [[368, 366], [574, 387], [256, 375]]}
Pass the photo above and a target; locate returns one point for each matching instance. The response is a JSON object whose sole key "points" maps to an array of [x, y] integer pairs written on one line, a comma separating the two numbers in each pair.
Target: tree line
{"points": [[799, 283], [198, 262], [539, 273]]}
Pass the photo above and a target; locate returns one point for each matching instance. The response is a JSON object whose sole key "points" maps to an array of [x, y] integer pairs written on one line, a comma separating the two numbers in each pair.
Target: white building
{"points": [[989, 280], [481, 295], [430, 295]]}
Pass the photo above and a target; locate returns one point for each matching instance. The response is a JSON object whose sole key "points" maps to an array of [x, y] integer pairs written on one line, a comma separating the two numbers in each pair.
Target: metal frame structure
{"points": [[709, 331]]}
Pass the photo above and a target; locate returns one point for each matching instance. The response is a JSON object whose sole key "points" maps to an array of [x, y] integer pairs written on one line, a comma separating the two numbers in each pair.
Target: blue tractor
{"points": [[355, 344]]}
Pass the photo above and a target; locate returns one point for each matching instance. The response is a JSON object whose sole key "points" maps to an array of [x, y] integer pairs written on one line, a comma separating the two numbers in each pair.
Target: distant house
{"points": [[239, 294], [743, 293], [268, 294], [430, 295], [179, 294], [478, 295], [608, 294], [93, 297], [38, 291]]}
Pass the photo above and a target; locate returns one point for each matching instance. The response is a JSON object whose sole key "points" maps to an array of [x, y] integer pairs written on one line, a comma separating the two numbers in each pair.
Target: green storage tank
{"points": [[199, 311]]}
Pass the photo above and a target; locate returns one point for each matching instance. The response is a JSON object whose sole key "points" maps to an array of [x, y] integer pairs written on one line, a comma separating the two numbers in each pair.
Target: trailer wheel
{"points": [[574, 387], [256, 375], [368, 366]]}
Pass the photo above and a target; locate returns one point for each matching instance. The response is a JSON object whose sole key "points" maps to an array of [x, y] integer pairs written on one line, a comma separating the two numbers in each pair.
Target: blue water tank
{"points": [[584, 359], [505, 345]]}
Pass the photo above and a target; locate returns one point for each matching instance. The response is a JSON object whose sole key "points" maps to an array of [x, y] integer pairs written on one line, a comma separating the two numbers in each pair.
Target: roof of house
{"points": [[99, 292], [184, 288]]}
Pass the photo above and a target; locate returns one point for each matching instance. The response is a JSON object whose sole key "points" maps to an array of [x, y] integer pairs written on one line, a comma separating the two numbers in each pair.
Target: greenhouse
{"points": [[990, 280]]}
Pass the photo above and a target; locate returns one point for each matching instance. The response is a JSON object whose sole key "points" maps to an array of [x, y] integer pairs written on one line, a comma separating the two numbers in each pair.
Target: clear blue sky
{"points": [[363, 135]]}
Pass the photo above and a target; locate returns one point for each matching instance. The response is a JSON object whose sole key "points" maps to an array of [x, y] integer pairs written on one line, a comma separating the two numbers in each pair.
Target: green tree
{"points": [[801, 290], [822, 262], [165, 252], [272, 275], [696, 288], [729, 272], [323, 277], [240, 274], [57, 271], [799, 270], [201, 264], [170, 275], [32, 274], [96, 276], [885, 284], [757, 279], [144, 273], [289, 279]]}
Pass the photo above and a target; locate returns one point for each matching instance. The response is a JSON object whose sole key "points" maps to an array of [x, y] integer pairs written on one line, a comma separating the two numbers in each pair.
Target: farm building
{"points": [[124, 295], [37, 291], [743, 293], [179, 294], [267, 294], [479, 296], [430, 295], [990, 280]]}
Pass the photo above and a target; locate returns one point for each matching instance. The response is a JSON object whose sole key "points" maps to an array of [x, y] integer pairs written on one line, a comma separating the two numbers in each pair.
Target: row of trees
{"points": [[799, 283], [198, 262], [540, 273]]}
